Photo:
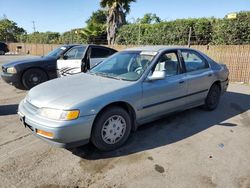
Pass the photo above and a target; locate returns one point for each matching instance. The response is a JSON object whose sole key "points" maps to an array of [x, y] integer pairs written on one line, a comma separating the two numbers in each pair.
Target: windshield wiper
{"points": [[106, 75]]}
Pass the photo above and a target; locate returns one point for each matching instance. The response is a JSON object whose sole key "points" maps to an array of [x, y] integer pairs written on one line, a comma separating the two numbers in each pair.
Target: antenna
{"points": [[34, 26]]}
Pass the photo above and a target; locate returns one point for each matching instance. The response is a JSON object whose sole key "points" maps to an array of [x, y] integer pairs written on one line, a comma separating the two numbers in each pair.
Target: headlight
{"points": [[11, 70], [56, 114]]}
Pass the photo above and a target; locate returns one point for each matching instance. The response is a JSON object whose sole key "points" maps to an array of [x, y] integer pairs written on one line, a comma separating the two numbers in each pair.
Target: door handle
{"points": [[181, 82], [210, 74]]}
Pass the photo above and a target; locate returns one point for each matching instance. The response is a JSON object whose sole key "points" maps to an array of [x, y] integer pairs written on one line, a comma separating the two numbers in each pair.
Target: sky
{"points": [[64, 15]]}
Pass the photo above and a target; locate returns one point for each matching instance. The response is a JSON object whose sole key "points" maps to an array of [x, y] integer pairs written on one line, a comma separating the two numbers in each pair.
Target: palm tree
{"points": [[95, 33], [117, 10]]}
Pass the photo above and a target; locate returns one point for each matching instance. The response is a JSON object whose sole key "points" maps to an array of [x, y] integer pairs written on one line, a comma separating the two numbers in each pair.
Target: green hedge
{"points": [[204, 31]]}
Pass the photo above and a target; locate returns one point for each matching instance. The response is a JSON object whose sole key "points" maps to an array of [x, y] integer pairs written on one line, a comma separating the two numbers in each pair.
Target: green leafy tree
{"points": [[73, 36], [66, 37], [232, 31], [174, 32], [98, 17], [95, 31], [149, 18], [117, 10], [204, 31], [41, 37], [9, 31]]}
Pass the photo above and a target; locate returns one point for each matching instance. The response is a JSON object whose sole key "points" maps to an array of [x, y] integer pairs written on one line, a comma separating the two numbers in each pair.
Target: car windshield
{"points": [[126, 65], [56, 52]]}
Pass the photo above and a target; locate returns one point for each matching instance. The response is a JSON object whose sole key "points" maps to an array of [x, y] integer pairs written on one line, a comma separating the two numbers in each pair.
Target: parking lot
{"points": [[194, 148]]}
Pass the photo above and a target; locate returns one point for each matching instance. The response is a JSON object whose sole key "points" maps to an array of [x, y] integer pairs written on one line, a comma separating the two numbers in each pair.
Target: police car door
{"points": [[98, 54], [70, 63]]}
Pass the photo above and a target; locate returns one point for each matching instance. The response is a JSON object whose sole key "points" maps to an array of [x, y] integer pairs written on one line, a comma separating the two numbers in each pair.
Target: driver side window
{"points": [[75, 53], [169, 63]]}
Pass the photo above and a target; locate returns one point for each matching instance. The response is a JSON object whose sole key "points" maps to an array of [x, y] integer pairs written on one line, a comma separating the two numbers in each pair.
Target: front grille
{"points": [[30, 107]]}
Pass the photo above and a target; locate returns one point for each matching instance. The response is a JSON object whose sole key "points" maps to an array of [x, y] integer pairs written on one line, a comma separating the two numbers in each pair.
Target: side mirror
{"points": [[65, 57], [60, 56], [157, 75]]}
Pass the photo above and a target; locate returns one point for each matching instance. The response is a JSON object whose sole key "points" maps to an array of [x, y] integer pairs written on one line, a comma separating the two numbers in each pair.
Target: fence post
{"points": [[43, 49], [189, 36], [139, 37]]}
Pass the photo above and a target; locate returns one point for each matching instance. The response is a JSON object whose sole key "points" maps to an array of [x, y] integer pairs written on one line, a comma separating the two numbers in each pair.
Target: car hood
{"points": [[29, 60], [67, 92]]}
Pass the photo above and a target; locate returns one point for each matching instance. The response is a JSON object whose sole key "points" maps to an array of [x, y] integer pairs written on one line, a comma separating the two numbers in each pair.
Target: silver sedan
{"points": [[131, 88]]}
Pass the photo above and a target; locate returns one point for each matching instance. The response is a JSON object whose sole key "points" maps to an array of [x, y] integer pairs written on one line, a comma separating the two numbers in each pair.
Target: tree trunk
{"points": [[116, 19]]}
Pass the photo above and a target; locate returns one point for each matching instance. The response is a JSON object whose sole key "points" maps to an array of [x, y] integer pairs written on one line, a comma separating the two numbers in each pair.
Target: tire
{"points": [[33, 77], [2, 52], [213, 98], [105, 133]]}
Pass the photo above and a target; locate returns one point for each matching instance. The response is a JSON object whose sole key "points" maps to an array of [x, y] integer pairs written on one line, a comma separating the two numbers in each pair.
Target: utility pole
{"points": [[189, 36], [71, 33], [34, 29], [139, 38], [34, 26]]}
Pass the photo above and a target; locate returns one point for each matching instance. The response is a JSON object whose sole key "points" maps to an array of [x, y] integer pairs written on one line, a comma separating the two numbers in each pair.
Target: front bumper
{"points": [[66, 134], [12, 79], [224, 85]]}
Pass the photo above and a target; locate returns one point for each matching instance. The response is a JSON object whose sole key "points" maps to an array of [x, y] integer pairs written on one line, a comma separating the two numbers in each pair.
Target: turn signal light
{"points": [[45, 133]]}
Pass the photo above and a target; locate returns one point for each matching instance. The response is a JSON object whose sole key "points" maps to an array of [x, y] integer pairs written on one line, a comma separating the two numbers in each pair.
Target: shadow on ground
{"points": [[176, 127], [8, 109]]}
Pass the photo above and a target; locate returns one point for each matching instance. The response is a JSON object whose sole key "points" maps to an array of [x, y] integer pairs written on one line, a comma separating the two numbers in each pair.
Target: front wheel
{"points": [[33, 77], [213, 98], [111, 129]]}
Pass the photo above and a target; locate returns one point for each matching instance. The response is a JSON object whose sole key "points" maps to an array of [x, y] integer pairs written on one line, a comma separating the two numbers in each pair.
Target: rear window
{"points": [[101, 52], [193, 61]]}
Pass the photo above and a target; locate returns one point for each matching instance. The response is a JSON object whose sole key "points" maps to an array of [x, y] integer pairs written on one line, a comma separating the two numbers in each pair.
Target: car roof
{"points": [[85, 45], [95, 45], [157, 48], [71, 45]]}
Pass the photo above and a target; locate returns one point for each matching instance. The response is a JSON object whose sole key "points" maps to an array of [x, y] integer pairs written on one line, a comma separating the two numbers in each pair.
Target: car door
{"points": [[71, 62], [166, 95], [198, 75], [98, 54]]}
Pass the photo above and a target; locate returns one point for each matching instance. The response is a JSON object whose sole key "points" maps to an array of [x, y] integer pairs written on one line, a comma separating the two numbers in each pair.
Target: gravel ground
{"points": [[193, 148]]}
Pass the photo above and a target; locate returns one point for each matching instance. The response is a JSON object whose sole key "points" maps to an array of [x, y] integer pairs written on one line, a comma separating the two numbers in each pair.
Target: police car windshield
{"points": [[56, 52]]}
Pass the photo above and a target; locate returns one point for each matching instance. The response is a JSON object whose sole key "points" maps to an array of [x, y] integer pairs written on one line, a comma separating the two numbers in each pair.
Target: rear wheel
{"points": [[33, 77], [213, 98], [111, 129]]}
